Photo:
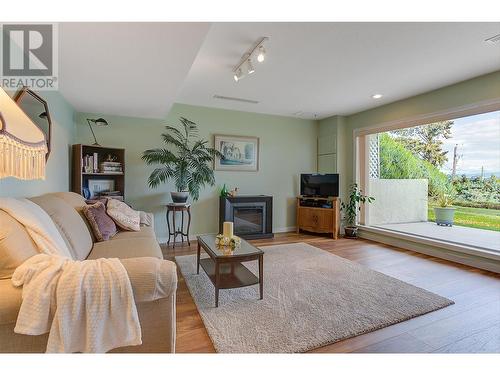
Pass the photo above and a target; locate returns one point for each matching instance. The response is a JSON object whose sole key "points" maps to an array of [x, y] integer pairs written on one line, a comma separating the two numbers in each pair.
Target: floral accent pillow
{"points": [[102, 225], [124, 216]]}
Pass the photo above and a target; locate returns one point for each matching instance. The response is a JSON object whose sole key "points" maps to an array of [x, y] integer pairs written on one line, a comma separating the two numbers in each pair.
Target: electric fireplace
{"points": [[252, 215]]}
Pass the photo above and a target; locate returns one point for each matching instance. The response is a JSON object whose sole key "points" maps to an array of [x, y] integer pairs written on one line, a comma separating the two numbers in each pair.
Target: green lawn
{"points": [[482, 218]]}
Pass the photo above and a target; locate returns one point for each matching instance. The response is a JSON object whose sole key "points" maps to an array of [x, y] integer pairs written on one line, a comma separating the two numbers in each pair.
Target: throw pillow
{"points": [[146, 218], [104, 201], [102, 225], [16, 245], [124, 216]]}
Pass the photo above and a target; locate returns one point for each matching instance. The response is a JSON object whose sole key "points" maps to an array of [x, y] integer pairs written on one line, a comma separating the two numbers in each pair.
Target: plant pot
{"points": [[444, 215], [179, 196], [351, 232]]}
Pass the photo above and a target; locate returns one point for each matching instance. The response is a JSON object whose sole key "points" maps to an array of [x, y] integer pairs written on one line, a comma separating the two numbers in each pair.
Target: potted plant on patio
{"points": [[186, 161], [351, 209], [444, 212]]}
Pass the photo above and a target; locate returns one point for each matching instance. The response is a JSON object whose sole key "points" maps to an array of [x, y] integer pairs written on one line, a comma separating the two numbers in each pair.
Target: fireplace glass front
{"points": [[249, 219]]}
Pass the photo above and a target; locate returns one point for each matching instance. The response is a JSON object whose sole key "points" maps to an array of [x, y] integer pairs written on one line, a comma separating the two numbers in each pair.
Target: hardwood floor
{"points": [[471, 325]]}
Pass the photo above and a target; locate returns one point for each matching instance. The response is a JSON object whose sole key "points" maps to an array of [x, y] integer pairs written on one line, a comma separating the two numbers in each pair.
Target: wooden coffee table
{"points": [[226, 270]]}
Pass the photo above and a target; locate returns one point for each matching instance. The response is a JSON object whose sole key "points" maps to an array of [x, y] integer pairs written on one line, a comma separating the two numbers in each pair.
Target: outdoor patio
{"points": [[478, 238]]}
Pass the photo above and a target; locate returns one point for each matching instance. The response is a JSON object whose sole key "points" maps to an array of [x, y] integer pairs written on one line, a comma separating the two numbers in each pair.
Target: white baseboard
{"points": [[285, 229]]}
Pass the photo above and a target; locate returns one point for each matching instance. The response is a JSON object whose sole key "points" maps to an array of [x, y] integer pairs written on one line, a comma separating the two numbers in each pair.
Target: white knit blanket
{"points": [[92, 302], [86, 306]]}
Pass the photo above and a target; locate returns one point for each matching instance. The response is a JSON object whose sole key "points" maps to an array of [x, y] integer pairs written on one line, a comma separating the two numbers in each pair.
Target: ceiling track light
{"points": [[494, 39], [262, 54], [257, 51], [250, 68], [238, 75]]}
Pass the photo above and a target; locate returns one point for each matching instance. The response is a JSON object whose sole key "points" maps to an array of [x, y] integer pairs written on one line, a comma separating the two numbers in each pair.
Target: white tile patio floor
{"points": [[479, 238]]}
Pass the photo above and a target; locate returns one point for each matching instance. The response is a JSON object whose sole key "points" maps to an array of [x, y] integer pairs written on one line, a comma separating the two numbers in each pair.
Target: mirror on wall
{"points": [[38, 111]]}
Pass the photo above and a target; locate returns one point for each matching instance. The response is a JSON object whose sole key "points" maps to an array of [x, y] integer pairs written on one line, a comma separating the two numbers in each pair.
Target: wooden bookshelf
{"points": [[80, 178]]}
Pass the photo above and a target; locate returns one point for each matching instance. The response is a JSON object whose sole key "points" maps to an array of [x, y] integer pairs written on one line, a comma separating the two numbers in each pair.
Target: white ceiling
{"points": [[334, 68], [129, 69], [140, 69]]}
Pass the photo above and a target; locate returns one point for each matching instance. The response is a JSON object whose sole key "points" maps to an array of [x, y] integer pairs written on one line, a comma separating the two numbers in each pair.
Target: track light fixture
{"points": [[237, 75], [250, 68], [258, 52], [262, 54]]}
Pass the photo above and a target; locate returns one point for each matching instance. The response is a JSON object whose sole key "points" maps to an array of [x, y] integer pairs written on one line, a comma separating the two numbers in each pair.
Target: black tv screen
{"points": [[319, 185]]}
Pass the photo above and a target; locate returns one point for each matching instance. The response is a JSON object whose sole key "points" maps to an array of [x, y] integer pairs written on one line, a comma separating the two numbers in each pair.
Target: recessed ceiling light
{"points": [[377, 96]]}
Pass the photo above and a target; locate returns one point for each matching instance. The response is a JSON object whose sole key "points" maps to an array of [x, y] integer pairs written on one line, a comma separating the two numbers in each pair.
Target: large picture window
{"points": [[439, 180]]}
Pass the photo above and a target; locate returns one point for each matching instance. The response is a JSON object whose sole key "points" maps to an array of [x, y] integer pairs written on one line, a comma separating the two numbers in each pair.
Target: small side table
{"points": [[174, 208]]}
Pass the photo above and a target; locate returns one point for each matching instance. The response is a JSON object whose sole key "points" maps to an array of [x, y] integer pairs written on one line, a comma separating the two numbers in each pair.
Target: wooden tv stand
{"points": [[313, 216]]}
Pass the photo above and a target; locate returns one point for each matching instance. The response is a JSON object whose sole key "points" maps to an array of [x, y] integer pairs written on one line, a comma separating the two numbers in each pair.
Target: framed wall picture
{"points": [[240, 153], [99, 186]]}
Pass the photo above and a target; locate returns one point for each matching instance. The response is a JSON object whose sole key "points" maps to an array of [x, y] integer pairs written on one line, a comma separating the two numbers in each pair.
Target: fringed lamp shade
{"points": [[22, 143]]}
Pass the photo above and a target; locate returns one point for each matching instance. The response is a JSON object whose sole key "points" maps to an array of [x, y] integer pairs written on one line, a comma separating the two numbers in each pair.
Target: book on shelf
{"points": [[89, 163], [111, 172], [110, 193], [111, 167]]}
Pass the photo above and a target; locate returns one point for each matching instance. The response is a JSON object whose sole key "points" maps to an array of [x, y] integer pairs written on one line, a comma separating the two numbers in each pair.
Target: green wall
{"points": [[57, 174], [336, 125], [475, 90], [287, 148]]}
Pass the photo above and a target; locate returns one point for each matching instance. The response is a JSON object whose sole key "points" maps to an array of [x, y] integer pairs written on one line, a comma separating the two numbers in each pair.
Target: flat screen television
{"points": [[319, 185]]}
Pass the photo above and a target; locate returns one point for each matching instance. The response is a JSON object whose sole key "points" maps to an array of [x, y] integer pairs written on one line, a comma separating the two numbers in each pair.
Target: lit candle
{"points": [[228, 229]]}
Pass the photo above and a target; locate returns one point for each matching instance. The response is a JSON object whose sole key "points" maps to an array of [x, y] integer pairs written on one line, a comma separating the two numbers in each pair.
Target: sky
{"points": [[478, 139]]}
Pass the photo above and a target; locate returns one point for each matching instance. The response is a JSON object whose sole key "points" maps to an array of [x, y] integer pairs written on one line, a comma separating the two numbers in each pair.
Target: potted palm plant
{"points": [[351, 209], [444, 212], [186, 161]]}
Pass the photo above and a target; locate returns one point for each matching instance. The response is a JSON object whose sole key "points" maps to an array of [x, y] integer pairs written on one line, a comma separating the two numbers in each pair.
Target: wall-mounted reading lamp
{"points": [[99, 122]]}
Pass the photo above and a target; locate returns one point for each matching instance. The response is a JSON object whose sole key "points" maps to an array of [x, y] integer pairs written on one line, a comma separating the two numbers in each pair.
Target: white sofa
{"points": [[154, 280]]}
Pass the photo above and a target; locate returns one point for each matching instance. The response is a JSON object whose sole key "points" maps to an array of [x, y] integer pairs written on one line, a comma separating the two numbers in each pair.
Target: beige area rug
{"points": [[311, 298]]}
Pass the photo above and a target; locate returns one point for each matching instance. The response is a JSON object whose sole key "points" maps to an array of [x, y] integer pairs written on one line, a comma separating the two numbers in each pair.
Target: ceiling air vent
{"points": [[305, 115], [236, 99], [493, 39]]}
